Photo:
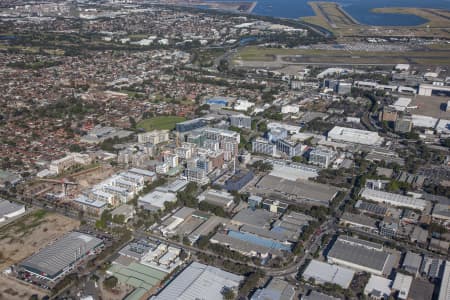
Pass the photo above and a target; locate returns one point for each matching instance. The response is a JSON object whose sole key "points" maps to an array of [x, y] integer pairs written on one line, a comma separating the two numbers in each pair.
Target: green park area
{"points": [[160, 123]]}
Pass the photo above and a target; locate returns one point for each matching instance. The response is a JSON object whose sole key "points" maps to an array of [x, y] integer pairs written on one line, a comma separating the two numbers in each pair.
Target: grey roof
{"points": [[318, 296], [62, 253], [325, 273], [302, 190], [184, 212], [257, 217], [7, 207], [371, 207], [243, 246], [199, 281], [359, 254], [420, 289], [359, 219], [277, 289], [412, 262]]}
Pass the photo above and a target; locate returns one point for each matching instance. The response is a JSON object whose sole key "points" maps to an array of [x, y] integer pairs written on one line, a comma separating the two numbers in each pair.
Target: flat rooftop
{"points": [[359, 254], [326, 273], [54, 258], [199, 281], [301, 190]]}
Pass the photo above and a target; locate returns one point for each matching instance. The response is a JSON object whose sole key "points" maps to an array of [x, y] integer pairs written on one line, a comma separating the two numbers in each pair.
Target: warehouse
{"points": [[394, 199], [277, 289], [10, 210], [322, 273], [155, 200], [357, 136], [199, 281], [218, 198], [303, 191], [57, 259], [361, 255], [444, 292]]}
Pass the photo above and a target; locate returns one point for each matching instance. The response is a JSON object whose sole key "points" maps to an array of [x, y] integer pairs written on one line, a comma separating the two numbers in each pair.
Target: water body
{"points": [[358, 9]]}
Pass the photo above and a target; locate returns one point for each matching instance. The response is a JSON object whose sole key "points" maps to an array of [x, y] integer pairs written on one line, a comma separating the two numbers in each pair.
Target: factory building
{"points": [[351, 135], [361, 255], [61, 257], [199, 281], [394, 199]]}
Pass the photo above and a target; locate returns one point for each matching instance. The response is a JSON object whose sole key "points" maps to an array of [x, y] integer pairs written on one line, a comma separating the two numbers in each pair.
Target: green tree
{"points": [[110, 282]]}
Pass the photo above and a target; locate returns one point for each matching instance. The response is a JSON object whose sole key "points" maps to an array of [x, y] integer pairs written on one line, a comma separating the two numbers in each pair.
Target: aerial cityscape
{"points": [[224, 149]]}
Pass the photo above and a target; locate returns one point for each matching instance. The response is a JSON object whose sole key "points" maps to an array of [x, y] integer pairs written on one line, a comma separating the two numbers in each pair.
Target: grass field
{"points": [[286, 56], [162, 122], [26, 235]]}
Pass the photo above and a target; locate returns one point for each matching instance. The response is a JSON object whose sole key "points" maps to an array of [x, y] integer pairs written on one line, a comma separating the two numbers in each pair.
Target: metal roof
{"points": [[359, 254], [54, 258], [325, 273], [199, 281]]}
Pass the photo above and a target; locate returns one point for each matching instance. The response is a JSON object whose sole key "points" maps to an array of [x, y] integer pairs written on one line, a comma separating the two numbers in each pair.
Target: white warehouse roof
{"points": [[424, 121], [352, 135], [402, 284], [199, 281], [394, 199], [323, 272]]}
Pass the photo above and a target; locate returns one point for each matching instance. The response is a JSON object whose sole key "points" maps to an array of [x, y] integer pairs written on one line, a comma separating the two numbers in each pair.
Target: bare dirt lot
{"points": [[433, 106], [30, 233], [13, 289]]}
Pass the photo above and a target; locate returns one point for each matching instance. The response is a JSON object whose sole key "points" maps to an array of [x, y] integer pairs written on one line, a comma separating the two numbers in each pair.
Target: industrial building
{"points": [[9, 210], [292, 170], [378, 287], [357, 136], [444, 292], [218, 198], [277, 289], [61, 257], [394, 199], [155, 200], [360, 222], [441, 212], [302, 191], [402, 284], [361, 255], [199, 281], [323, 273]]}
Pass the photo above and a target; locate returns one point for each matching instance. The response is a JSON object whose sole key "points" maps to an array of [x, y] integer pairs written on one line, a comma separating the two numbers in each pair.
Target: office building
{"points": [[190, 125], [154, 137], [289, 148], [241, 121], [322, 157], [263, 146]]}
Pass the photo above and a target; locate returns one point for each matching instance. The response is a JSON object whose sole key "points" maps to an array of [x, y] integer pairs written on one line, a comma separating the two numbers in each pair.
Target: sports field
{"points": [[160, 123]]}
